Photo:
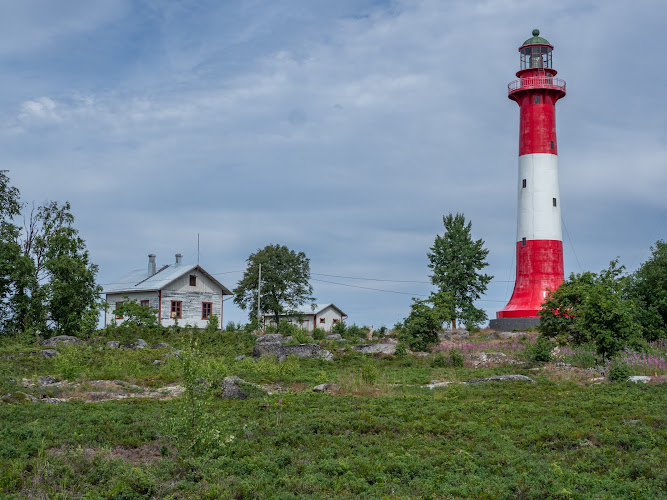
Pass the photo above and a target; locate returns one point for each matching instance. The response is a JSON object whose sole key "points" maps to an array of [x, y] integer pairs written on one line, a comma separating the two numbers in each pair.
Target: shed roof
{"points": [[139, 281], [310, 309]]}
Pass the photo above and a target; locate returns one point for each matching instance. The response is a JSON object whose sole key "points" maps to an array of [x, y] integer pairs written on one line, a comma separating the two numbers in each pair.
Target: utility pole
{"points": [[259, 295]]}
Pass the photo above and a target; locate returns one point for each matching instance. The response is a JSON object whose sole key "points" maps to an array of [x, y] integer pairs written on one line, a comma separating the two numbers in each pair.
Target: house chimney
{"points": [[179, 258], [151, 264]]}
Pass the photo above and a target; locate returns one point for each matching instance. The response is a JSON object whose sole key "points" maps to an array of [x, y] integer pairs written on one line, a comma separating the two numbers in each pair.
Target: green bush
{"points": [[456, 357], [318, 334], [619, 372], [439, 360], [540, 351]]}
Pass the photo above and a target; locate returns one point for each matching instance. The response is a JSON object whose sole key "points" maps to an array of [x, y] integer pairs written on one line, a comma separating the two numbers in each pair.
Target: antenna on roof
{"points": [[197, 248]]}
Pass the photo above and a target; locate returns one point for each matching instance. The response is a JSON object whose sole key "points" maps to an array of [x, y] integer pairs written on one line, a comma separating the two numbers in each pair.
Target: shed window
{"points": [[193, 280], [555, 204], [523, 183], [118, 304], [145, 303], [206, 308], [322, 320], [523, 242], [335, 321], [176, 309]]}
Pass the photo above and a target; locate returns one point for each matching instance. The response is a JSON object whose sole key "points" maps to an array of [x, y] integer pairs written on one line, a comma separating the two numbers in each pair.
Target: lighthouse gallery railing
{"points": [[536, 82]]}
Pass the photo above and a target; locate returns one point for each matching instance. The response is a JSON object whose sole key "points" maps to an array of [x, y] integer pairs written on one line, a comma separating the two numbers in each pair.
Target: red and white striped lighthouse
{"points": [[539, 245]]}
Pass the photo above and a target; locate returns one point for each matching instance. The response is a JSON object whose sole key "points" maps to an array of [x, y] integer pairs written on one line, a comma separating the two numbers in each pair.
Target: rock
{"points": [[270, 337], [287, 339], [49, 353], [306, 351], [160, 345], [390, 340], [333, 336], [176, 354], [60, 339], [375, 348], [434, 384], [47, 380], [505, 335], [420, 354], [282, 351], [158, 362], [139, 344], [239, 358], [597, 380], [325, 388], [639, 378], [501, 378], [113, 344], [229, 389]]}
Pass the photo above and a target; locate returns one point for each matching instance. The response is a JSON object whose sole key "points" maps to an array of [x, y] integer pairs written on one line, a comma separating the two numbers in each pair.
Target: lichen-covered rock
{"points": [[333, 336], [60, 339], [270, 337], [240, 357], [113, 344], [281, 352], [49, 353], [375, 348], [161, 345], [47, 380], [639, 378], [139, 344], [325, 387], [501, 378], [230, 389]]}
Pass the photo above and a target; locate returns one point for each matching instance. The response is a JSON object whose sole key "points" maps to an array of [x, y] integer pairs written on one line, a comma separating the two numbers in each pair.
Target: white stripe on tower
{"points": [[538, 218]]}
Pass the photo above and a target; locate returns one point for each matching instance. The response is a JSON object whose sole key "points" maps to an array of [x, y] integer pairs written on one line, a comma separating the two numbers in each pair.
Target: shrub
{"points": [[401, 351], [230, 327], [318, 334], [540, 351], [619, 372], [456, 357], [439, 360], [339, 328]]}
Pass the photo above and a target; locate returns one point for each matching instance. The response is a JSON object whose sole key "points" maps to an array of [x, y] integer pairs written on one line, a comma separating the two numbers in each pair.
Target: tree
{"points": [[285, 281], [648, 288], [420, 329], [456, 261], [592, 307], [47, 282], [136, 316]]}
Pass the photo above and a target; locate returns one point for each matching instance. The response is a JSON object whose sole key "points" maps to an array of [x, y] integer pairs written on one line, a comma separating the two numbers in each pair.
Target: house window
{"points": [[176, 309], [206, 308], [523, 242], [335, 321], [193, 280], [144, 303], [118, 304], [537, 99], [555, 202], [523, 183], [322, 321]]}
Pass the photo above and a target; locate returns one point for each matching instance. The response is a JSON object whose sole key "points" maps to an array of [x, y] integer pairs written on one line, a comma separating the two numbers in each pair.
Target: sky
{"points": [[343, 129]]}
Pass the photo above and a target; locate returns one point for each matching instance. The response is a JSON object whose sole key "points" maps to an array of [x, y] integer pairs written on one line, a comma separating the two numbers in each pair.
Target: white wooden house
{"points": [[308, 317], [179, 291]]}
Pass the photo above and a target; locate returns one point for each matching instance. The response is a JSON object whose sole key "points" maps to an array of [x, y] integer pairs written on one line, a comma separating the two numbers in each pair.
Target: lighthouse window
{"points": [[523, 242], [553, 146], [523, 183], [537, 99], [555, 204]]}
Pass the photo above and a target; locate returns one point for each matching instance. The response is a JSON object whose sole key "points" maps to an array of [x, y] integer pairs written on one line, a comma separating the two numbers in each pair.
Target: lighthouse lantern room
{"points": [[539, 246]]}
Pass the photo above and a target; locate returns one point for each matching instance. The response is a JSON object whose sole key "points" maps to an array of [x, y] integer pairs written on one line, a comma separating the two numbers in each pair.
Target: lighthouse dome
{"points": [[536, 39]]}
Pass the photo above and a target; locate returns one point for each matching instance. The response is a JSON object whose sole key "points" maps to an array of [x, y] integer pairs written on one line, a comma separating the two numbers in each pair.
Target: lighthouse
{"points": [[539, 244]]}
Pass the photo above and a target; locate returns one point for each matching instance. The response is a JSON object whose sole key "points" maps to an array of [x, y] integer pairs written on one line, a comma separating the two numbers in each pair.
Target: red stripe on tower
{"points": [[539, 246]]}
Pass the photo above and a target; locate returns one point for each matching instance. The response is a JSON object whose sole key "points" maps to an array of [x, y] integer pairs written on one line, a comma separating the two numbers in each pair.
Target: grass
{"points": [[379, 436]]}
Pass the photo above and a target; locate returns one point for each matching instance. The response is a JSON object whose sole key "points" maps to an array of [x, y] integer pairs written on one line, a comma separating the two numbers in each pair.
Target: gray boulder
{"points": [[60, 339], [375, 348], [501, 378], [505, 335], [113, 344], [270, 337], [230, 389], [139, 344], [639, 378], [240, 357], [333, 336], [49, 353], [161, 345], [47, 380], [325, 388], [282, 351]]}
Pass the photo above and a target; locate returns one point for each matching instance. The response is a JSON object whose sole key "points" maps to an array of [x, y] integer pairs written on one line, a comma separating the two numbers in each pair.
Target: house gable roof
{"points": [[138, 281]]}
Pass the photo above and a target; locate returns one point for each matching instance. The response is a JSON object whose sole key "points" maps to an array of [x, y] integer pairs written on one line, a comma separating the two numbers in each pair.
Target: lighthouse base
{"points": [[510, 324]]}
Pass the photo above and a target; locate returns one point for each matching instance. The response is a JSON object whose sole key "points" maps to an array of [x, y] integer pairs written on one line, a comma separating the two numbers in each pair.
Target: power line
{"points": [[370, 279], [369, 288]]}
